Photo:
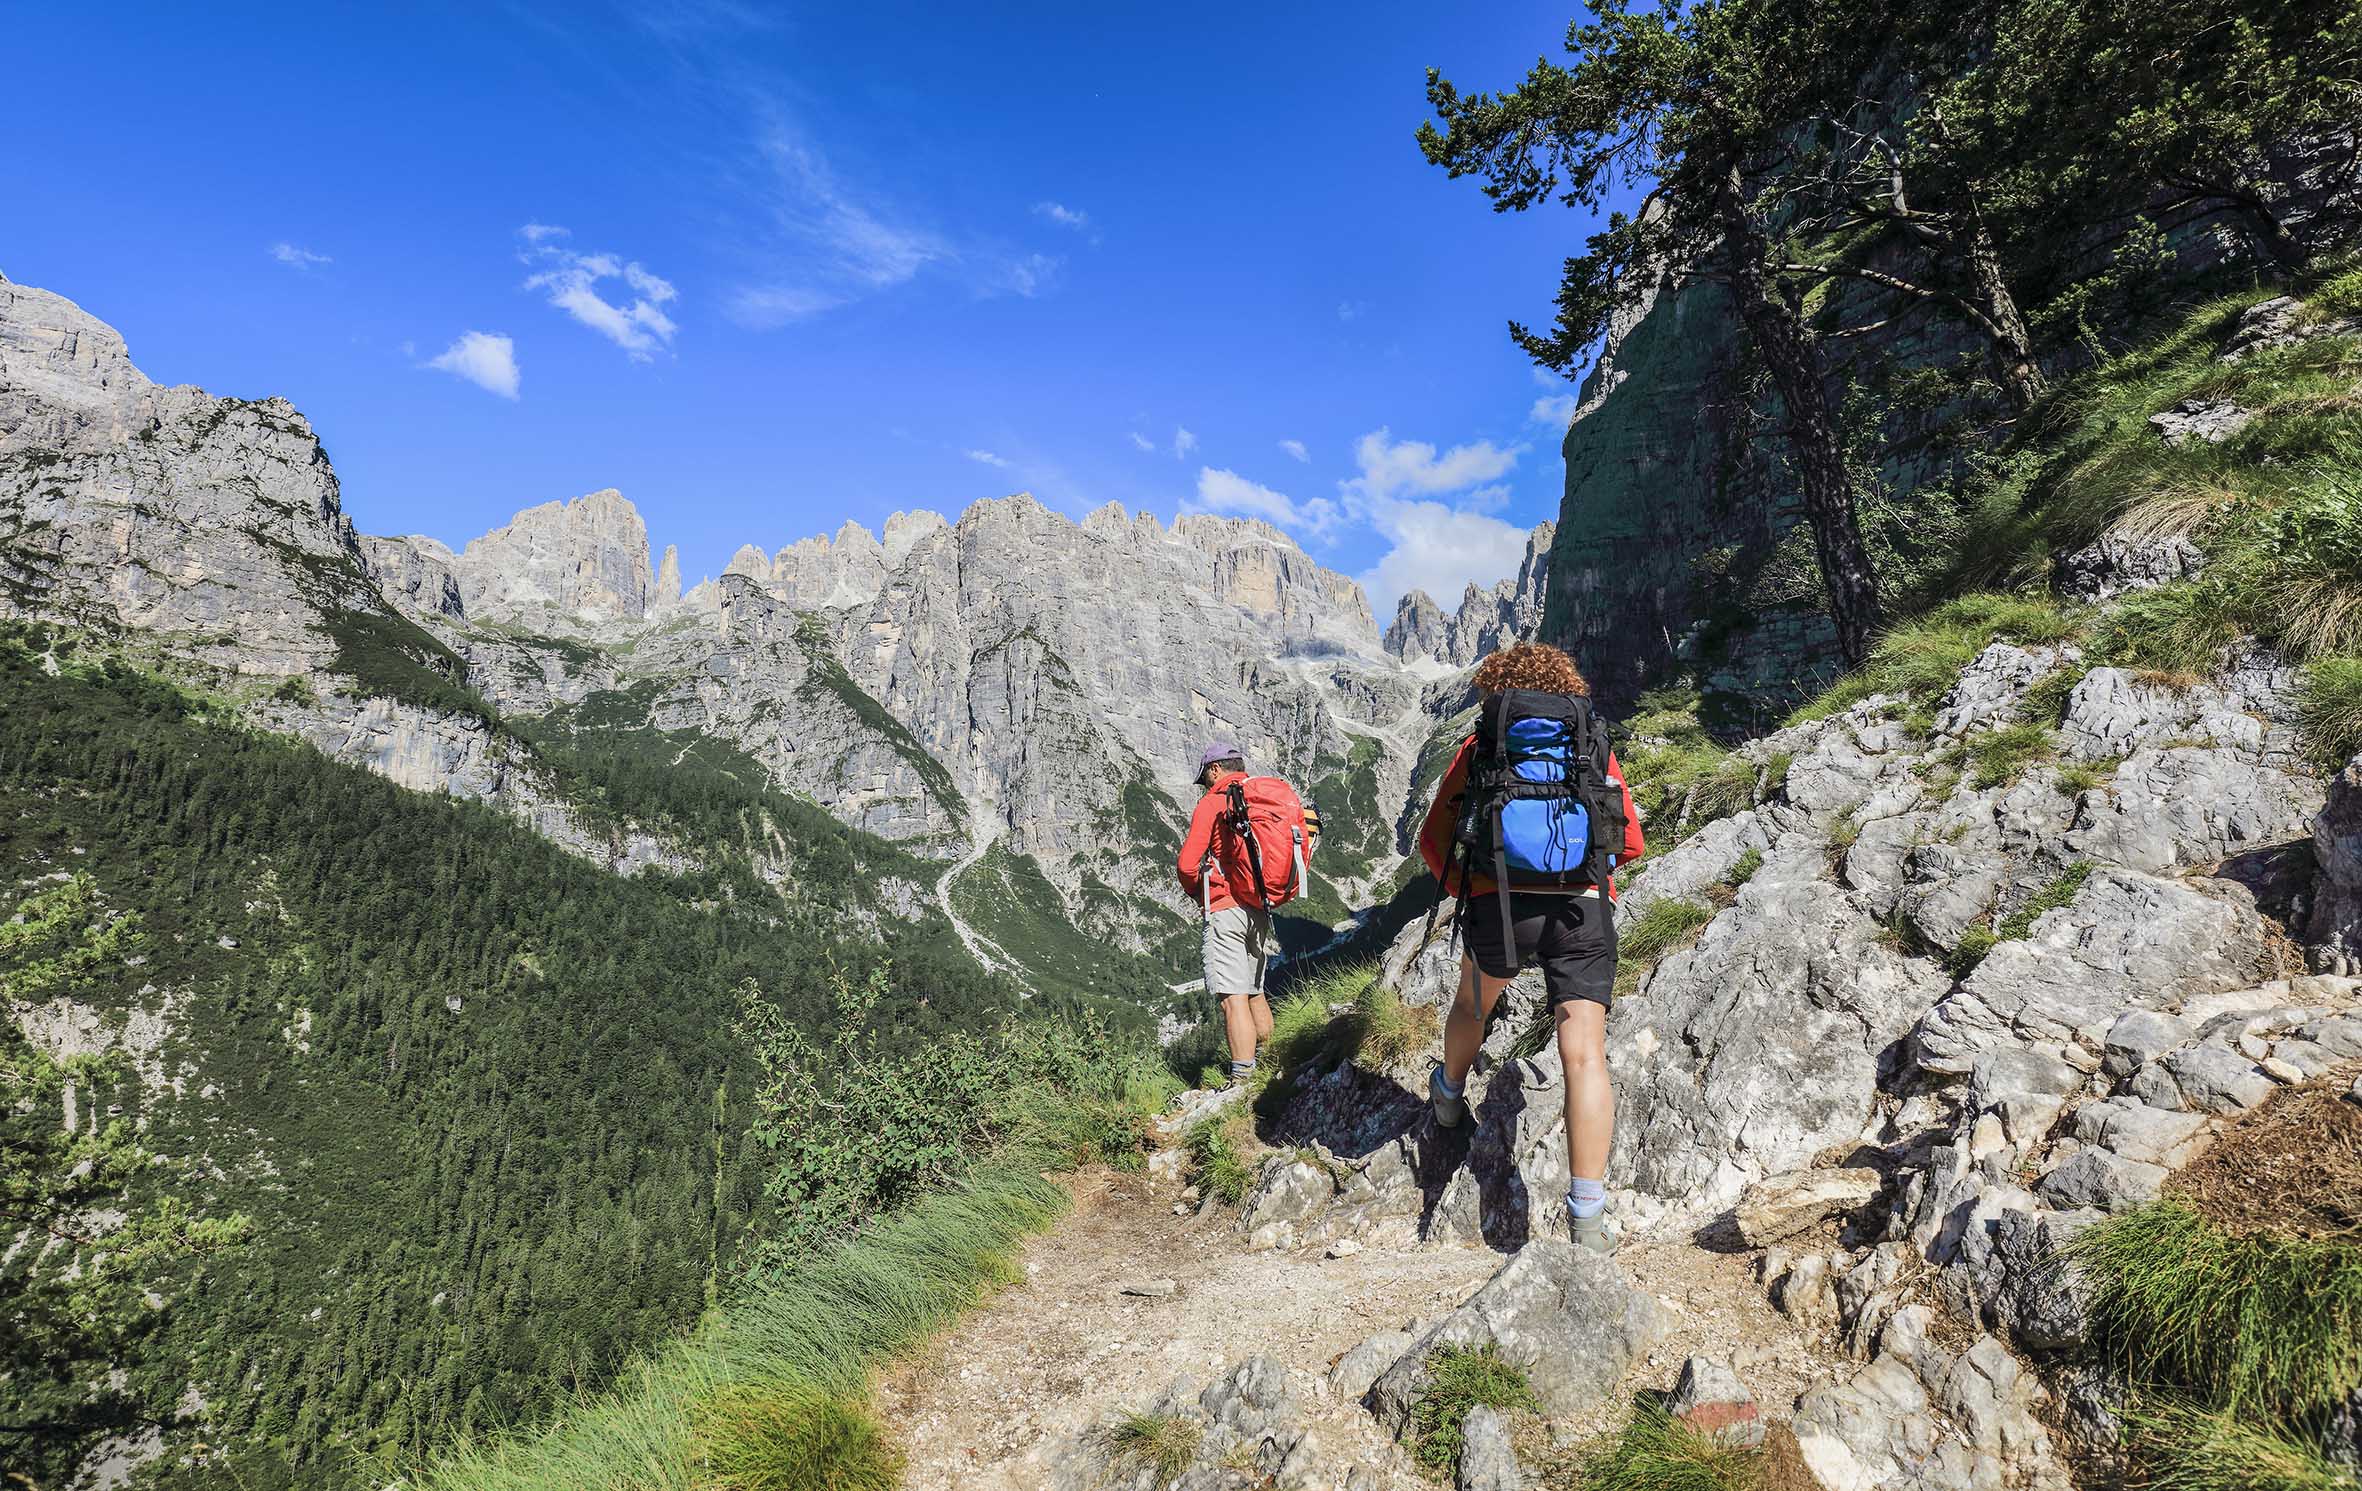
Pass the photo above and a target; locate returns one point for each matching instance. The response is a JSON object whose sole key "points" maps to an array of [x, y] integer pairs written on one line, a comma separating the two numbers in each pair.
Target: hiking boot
{"points": [[1592, 1232], [1449, 1108]]}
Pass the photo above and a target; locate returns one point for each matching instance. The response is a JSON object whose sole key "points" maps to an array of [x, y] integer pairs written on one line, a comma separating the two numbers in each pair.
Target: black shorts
{"points": [[1572, 937]]}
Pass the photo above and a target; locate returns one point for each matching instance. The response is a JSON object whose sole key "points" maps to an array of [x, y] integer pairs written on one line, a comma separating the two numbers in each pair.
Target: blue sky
{"points": [[769, 268]]}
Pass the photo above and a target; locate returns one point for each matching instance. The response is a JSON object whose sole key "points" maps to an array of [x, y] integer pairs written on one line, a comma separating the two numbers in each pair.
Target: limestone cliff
{"points": [[1508, 611]]}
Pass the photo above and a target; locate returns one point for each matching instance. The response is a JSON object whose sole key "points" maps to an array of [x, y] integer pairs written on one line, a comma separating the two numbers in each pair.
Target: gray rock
{"points": [[2334, 932], [2127, 941], [2026, 1089], [1564, 1316], [2140, 1037], [2215, 1078], [1488, 1462], [2117, 564], [1508, 611], [2101, 1180], [1351, 1377], [1782, 1206], [2206, 421], [2281, 321], [2137, 1131], [1711, 1400], [1991, 688]]}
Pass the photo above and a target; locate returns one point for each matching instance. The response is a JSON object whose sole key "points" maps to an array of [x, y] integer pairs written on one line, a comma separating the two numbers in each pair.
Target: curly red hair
{"points": [[1531, 665]]}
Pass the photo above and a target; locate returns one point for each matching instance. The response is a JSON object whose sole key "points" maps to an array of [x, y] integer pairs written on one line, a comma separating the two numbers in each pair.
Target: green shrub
{"points": [[1970, 950], [2332, 710], [2242, 1323], [1162, 1443], [1461, 1378], [1657, 1452], [790, 1438], [1217, 1158]]}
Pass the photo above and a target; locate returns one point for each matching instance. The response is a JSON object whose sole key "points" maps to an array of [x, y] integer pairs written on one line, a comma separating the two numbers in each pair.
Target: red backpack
{"points": [[1259, 840]]}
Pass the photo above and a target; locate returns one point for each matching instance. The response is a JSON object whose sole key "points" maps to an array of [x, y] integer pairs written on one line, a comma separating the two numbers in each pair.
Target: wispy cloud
{"points": [[1183, 443], [1142, 442], [829, 243], [1352, 310], [1063, 215], [571, 281], [1553, 409], [297, 258], [486, 359], [1295, 450], [987, 458], [1223, 491]]}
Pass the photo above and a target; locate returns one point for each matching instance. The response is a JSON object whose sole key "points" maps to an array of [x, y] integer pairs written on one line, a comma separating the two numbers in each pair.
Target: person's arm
{"points": [[1443, 815], [1193, 848], [1634, 845]]}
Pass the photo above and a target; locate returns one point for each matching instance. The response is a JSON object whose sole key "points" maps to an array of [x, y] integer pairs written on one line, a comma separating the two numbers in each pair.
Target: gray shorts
{"points": [[1238, 945]]}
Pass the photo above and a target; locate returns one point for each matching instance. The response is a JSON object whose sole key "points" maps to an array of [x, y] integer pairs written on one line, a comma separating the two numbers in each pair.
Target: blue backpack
{"points": [[1541, 810]]}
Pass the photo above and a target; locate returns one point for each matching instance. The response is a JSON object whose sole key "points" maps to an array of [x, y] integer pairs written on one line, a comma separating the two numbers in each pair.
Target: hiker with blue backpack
{"points": [[1528, 826]]}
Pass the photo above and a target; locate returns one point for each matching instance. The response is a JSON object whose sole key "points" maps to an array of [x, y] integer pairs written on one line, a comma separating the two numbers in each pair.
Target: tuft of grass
{"points": [[2050, 898], [1920, 659], [1683, 779], [2184, 1448], [2331, 706], [2000, 757], [2078, 777], [2243, 1324], [1217, 1157], [791, 1438], [1970, 950], [2045, 703], [1461, 1378], [1661, 929], [1386, 1030], [1657, 1452], [1743, 868], [1162, 1443]]}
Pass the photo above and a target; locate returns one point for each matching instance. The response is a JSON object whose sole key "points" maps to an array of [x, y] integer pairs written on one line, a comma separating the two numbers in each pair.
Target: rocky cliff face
{"points": [[1508, 611]]}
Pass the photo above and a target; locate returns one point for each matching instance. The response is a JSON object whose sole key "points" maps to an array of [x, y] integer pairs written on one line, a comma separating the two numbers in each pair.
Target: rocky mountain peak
{"points": [[1488, 617]]}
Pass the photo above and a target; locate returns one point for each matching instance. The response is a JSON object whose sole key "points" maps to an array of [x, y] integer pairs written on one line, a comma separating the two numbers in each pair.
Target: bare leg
{"points": [[1238, 1019], [1590, 1097], [1463, 1029], [1262, 1012]]}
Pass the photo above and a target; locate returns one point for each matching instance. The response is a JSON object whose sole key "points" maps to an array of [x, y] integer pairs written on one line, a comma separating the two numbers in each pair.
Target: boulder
{"points": [[2102, 1180], [2203, 421], [1564, 1316], [2334, 933], [1779, 1208]]}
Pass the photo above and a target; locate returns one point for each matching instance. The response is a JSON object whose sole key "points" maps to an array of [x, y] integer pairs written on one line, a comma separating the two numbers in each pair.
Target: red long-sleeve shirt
{"points": [[1443, 816], [1213, 890]]}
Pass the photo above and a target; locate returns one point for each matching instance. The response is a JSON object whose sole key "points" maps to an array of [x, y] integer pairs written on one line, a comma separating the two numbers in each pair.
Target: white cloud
{"points": [[297, 258], [1142, 442], [486, 359], [1221, 491], [1062, 215], [1390, 467], [1436, 546], [1544, 378], [1295, 449], [1441, 550], [1352, 310], [571, 281], [1556, 409], [987, 458], [1183, 443], [1030, 276]]}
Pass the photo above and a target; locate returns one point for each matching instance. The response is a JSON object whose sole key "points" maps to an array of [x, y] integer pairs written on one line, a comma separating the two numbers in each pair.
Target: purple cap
{"points": [[1220, 750]]}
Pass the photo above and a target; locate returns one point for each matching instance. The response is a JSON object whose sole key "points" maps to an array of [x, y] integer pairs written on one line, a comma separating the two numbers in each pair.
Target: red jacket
{"points": [[1213, 889], [1443, 816]]}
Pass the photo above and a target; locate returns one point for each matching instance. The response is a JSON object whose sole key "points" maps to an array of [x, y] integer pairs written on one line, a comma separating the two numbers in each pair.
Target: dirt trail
{"points": [[1065, 1348]]}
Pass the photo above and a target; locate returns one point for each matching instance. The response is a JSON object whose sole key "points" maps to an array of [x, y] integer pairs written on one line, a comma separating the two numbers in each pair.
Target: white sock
{"points": [[1443, 1080], [1586, 1198]]}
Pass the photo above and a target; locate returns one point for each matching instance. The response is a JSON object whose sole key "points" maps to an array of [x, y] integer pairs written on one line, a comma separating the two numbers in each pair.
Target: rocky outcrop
{"points": [[1508, 611]]}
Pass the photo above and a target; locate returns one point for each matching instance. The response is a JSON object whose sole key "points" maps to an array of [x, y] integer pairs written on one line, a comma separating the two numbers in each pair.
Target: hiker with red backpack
{"points": [[1244, 856], [1528, 826]]}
